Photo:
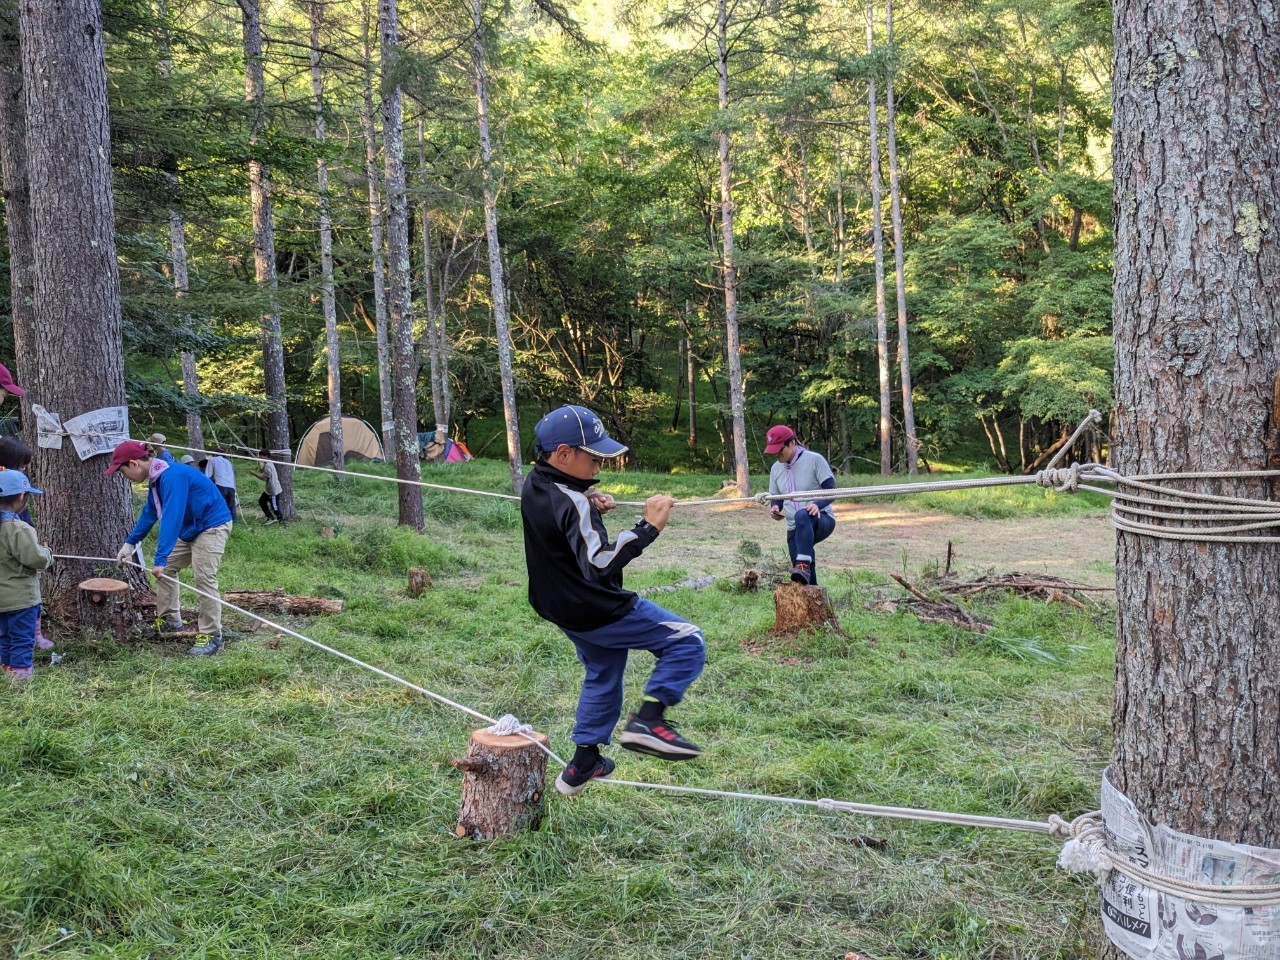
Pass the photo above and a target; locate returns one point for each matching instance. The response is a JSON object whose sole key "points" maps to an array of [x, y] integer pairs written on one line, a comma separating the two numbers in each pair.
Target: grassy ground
{"points": [[275, 802]]}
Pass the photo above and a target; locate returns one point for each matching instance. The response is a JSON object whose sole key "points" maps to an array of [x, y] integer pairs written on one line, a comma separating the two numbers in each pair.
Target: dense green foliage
{"points": [[274, 802], [609, 215]]}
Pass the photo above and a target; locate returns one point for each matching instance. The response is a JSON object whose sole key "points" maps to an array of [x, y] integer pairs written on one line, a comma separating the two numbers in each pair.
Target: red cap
{"points": [[126, 451], [777, 438], [7, 384]]}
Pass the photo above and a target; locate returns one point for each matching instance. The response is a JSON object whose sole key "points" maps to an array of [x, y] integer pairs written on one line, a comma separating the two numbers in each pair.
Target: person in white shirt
{"points": [[218, 469], [808, 522]]}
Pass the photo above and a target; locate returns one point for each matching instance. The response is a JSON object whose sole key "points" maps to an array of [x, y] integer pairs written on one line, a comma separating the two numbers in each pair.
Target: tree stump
{"points": [[797, 607], [502, 784], [106, 606], [419, 581]]}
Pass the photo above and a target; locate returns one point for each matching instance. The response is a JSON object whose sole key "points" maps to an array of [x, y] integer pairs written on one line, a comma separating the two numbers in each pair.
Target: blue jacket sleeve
{"points": [[827, 484], [173, 505]]}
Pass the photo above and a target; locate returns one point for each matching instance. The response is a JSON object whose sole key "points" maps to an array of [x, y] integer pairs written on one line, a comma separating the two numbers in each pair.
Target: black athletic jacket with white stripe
{"points": [[575, 573]]}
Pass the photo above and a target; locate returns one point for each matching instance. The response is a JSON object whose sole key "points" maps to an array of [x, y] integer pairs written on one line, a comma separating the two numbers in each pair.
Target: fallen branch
{"points": [[277, 601]]}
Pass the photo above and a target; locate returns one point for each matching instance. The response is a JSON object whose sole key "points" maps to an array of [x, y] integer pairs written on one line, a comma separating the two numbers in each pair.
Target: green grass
{"points": [[278, 803]]}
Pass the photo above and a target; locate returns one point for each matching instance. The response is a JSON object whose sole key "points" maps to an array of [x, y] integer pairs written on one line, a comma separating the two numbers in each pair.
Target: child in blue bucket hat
{"points": [[21, 560]]}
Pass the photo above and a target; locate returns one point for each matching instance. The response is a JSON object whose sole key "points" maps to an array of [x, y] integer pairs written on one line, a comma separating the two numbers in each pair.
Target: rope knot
{"points": [[509, 725], [1062, 479], [764, 499]]}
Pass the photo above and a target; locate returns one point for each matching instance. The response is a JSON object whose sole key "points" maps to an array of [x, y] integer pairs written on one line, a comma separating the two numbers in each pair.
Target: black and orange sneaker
{"points": [[573, 781], [801, 574], [657, 738]]}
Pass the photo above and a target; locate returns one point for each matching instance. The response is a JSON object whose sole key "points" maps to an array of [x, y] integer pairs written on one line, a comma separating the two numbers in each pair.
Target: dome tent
{"points": [[359, 442]]}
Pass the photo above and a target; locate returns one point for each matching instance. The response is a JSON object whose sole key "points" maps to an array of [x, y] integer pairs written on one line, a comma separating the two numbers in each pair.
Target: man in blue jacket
{"points": [[194, 526]]}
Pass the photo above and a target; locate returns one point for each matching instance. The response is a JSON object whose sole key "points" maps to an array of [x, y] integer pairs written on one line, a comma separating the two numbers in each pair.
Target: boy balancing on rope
{"points": [[575, 581]]}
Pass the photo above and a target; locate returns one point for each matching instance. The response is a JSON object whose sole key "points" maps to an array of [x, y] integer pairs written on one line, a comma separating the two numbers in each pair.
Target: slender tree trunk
{"points": [[1197, 203], [330, 307], [496, 278], [388, 425], [840, 238], [70, 354], [404, 360], [691, 374], [435, 330], [895, 196], [178, 249], [877, 239], [264, 254], [733, 347]]}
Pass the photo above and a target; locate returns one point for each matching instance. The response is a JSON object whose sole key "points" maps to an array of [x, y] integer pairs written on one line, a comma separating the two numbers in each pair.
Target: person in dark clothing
{"points": [[575, 582]]}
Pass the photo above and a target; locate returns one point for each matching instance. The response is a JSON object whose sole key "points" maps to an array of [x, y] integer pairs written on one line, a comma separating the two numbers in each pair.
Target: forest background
{"points": [[605, 120]]}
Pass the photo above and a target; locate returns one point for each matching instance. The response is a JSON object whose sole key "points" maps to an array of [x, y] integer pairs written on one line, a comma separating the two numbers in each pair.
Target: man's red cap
{"points": [[126, 451], [778, 437], [7, 384]]}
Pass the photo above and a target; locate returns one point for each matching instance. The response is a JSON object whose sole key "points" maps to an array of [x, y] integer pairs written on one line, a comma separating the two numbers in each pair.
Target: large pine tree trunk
{"points": [[895, 200], [877, 241], [1197, 201], [17, 201], [387, 427], [404, 360], [264, 253], [497, 280], [733, 345], [328, 303], [70, 354]]}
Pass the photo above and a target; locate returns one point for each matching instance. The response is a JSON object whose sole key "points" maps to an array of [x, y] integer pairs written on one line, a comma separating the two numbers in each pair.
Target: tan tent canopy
{"points": [[359, 442]]}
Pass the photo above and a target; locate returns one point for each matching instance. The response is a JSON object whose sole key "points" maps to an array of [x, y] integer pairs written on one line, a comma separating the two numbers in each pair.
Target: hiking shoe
{"points": [[208, 649], [21, 674], [43, 643], [169, 625], [800, 574], [267, 523], [657, 738], [573, 781]]}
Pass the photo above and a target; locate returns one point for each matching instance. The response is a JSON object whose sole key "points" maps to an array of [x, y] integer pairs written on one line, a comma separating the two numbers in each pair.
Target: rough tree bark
{"points": [[404, 360], [264, 252], [388, 425], [315, 12], [877, 240], [70, 356], [497, 281], [17, 198], [733, 345], [895, 201], [436, 342], [1197, 201]]}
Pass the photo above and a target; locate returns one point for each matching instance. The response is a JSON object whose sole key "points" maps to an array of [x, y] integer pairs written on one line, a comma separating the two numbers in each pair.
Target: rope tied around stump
{"points": [[509, 725]]}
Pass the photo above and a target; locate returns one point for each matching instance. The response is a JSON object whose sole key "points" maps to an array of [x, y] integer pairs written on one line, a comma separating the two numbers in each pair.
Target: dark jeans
{"points": [[808, 531], [270, 505], [229, 495], [676, 643], [18, 637]]}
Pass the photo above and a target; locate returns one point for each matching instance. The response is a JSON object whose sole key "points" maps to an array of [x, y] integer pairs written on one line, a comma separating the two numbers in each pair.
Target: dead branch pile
{"points": [[937, 607], [932, 609]]}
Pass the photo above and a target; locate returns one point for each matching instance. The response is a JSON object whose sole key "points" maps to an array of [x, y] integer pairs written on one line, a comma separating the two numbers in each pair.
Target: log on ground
{"points": [[502, 785], [277, 601], [797, 607]]}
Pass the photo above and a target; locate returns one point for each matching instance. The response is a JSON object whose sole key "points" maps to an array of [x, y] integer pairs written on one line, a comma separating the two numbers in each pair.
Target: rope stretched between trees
{"points": [[1085, 850]]}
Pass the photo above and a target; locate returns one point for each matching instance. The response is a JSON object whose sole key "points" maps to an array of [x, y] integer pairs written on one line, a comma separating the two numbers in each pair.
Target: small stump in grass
{"points": [[503, 779], [106, 606], [797, 607], [419, 581]]}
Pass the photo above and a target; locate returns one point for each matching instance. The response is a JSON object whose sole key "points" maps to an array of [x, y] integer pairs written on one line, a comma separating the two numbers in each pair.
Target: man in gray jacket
{"points": [[808, 522]]}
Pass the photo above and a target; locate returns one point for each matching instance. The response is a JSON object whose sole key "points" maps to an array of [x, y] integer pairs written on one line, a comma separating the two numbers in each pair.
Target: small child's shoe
{"points": [[573, 781], [21, 674], [43, 642]]}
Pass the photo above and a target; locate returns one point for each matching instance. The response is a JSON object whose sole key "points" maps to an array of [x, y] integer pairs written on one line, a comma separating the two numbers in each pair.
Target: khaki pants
{"points": [[202, 555]]}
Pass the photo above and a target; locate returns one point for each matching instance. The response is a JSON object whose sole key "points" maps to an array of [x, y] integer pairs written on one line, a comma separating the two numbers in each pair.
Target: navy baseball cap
{"points": [[14, 482], [578, 427]]}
